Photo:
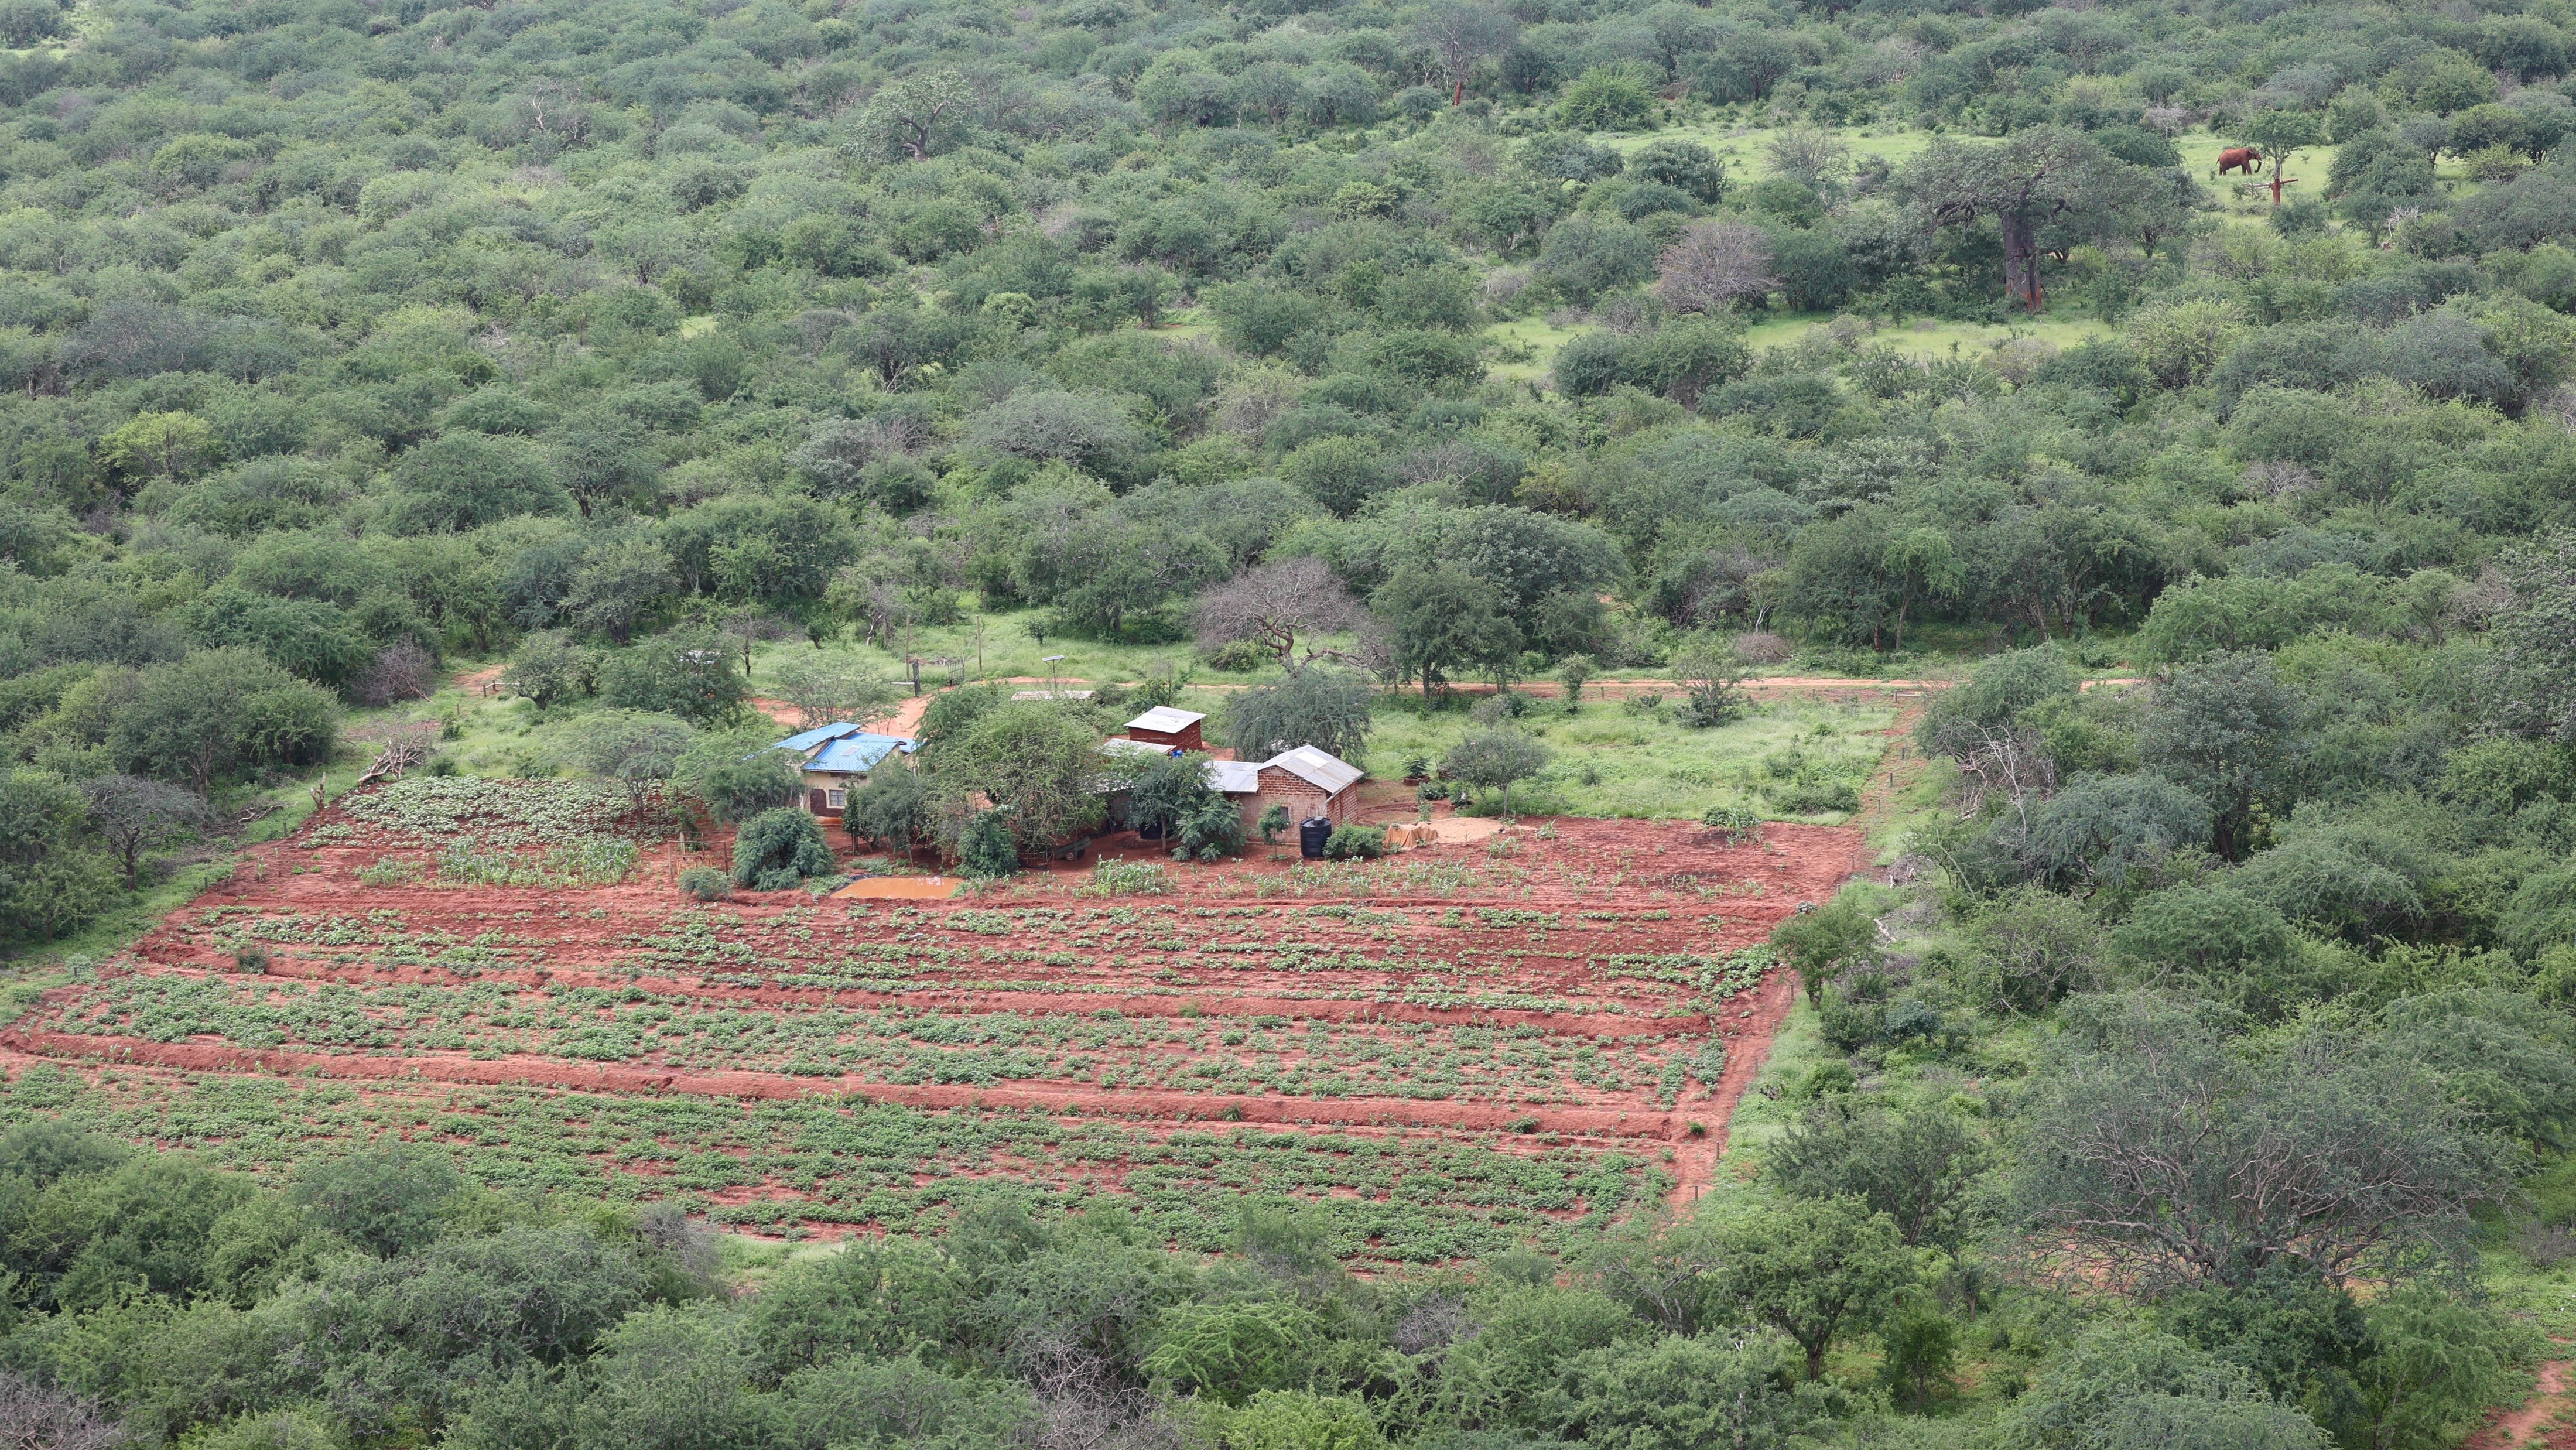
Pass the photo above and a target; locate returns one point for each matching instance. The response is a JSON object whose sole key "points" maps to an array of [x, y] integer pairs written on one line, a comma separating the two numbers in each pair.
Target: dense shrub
{"points": [[778, 849]]}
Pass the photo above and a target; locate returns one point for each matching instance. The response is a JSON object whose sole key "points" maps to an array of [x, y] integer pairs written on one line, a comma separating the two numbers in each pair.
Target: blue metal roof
{"points": [[843, 747], [804, 740], [856, 753]]}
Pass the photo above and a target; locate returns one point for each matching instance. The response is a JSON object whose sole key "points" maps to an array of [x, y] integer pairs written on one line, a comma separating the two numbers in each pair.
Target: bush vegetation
{"points": [[642, 348]]}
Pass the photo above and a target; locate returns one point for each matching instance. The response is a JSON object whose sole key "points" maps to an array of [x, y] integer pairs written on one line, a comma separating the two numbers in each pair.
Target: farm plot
{"points": [[1453, 1050]]}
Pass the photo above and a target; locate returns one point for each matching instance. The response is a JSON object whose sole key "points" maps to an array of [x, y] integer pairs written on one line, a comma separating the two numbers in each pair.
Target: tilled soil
{"points": [[1576, 984]]}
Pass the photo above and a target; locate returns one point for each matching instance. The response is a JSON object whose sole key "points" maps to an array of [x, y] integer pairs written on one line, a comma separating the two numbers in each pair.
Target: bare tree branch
{"points": [[1276, 603]]}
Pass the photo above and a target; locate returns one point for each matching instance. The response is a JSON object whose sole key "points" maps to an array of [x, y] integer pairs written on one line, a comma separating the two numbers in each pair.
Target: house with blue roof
{"points": [[835, 760]]}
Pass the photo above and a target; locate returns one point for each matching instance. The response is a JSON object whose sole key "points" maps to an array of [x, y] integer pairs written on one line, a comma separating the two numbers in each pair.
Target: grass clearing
{"points": [[1528, 347], [1614, 760]]}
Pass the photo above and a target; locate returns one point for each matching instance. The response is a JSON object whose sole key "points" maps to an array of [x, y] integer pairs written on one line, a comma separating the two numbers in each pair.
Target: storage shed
{"points": [[835, 760], [1309, 782], [1172, 729]]}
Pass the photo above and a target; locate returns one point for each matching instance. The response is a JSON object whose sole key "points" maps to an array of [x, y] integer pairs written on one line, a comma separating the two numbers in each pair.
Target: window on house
{"points": [[836, 798]]}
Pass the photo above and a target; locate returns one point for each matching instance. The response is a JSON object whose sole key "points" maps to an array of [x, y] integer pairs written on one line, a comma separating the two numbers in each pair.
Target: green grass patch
{"points": [[1612, 759], [1528, 347]]}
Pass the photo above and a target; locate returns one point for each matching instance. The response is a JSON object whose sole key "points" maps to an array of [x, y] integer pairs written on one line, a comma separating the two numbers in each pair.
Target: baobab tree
{"points": [[1461, 35], [2023, 182]]}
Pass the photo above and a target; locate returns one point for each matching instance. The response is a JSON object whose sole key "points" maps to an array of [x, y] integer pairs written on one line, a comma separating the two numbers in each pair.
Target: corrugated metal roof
{"points": [[856, 754], [1121, 745], [1327, 772], [804, 740], [843, 747], [1235, 777], [1164, 720]]}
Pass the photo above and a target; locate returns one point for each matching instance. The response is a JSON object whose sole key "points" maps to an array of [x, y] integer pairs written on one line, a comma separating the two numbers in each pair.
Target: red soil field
{"points": [[1574, 979]]}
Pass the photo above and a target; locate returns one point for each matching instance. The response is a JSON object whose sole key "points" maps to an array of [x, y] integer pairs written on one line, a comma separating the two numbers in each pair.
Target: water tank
{"points": [[1312, 833]]}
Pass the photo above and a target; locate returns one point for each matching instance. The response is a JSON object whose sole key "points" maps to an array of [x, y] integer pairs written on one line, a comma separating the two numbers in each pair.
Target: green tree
{"points": [[1303, 1420], [2281, 135], [639, 749], [1823, 940], [672, 1379], [1232, 1352], [1443, 619], [737, 773], [159, 445], [893, 809], [2125, 1388], [603, 460], [1166, 788], [1919, 1354], [219, 711], [985, 847], [617, 584], [1513, 1370], [464, 480], [2165, 1160], [2435, 1367], [1587, 255], [916, 116], [2528, 683], [1572, 672], [777, 552], [1606, 98], [1679, 1393], [688, 673], [388, 1199], [1917, 1168], [549, 668], [1036, 763], [2227, 730], [314, 639], [831, 689], [1711, 675], [2025, 184], [49, 881], [1811, 1268], [1318, 706], [1496, 759], [1968, 717]]}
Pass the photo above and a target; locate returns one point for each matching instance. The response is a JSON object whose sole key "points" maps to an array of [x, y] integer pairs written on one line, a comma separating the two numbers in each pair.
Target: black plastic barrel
{"points": [[1312, 833]]}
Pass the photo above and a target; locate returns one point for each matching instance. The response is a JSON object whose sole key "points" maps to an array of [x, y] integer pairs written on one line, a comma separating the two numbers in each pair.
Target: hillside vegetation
{"points": [[2204, 1074]]}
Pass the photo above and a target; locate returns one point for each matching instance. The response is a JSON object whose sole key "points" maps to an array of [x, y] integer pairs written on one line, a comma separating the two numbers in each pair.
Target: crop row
{"points": [[1497, 957], [1219, 1055], [1406, 1197], [492, 813]]}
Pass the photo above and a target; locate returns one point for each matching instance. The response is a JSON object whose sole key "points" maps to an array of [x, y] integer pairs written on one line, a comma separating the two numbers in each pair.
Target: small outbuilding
{"points": [[1310, 783], [1169, 728], [835, 760]]}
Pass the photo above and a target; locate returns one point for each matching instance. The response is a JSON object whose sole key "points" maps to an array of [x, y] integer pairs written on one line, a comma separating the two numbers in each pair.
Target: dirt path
{"points": [[2524, 1424], [1695, 1157]]}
